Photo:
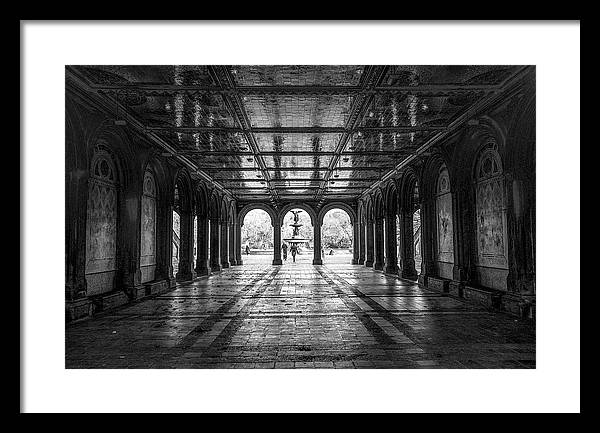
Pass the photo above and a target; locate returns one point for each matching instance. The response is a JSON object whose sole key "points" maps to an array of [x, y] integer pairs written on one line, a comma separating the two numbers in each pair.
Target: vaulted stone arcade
{"points": [[433, 165]]}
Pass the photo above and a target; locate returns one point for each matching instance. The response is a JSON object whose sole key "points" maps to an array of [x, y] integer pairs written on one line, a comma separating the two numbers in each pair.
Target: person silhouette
{"points": [[284, 249], [294, 251]]}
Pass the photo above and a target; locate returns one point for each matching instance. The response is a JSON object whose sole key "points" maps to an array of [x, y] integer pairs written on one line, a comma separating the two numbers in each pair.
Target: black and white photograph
{"points": [[292, 216], [288, 222]]}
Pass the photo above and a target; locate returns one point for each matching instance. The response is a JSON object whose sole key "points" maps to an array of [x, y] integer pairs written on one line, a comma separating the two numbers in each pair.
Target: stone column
{"points": [[202, 246], [232, 244], [215, 241], [407, 258], [428, 229], [355, 243], [391, 259], [224, 245], [277, 244], [317, 258], [458, 270], [130, 249], [238, 243], [361, 243], [75, 233], [369, 244], [379, 254], [164, 253], [186, 247]]}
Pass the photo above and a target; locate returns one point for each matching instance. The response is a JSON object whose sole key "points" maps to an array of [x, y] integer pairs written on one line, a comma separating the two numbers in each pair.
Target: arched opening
{"points": [[398, 237], [297, 236], [195, 238], [417, 232], [337, 237], [257, 237], [176, 231]]}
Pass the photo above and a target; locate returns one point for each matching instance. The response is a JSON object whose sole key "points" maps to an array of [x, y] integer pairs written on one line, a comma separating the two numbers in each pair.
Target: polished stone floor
{"points": [[300, 316]]}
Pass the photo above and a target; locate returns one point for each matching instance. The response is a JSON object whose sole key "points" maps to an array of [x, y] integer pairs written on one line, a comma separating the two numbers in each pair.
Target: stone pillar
{"points": [[428, 234], [369, 244], [164, 257], [407, 258], [379, 252], [224, 245], [232, 244], [75, 234], [277, 243], [317, 258], [202, 246], [355, 243], [238, 243], [361, 243], [458, 270], [215, 241], [130, 225], [185, 271], [391, 259]]}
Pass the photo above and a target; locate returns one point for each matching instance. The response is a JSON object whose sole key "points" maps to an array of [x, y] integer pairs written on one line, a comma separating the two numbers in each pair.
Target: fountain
{"points": [[296, 239]]}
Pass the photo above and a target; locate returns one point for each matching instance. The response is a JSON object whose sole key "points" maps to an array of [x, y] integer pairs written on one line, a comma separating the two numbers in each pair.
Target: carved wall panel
{"points": [[148, 235], [101, 240], [490, 212], [445, 241]]}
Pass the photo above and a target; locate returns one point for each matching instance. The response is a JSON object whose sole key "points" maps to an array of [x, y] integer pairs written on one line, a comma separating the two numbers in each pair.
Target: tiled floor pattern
{"points": [[301, 316]]}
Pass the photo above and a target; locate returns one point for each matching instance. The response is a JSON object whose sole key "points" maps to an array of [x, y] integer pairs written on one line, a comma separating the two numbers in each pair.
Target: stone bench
{"points": [[438, 284], [156, 287], [455, 288], [482, 295]]}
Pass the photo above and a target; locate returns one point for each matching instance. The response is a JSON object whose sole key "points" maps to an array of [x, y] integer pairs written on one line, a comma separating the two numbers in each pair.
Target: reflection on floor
{"points": [[300, 316]]}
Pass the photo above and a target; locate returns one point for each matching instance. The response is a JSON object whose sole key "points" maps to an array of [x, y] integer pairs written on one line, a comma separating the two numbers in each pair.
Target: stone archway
{"points": [[317, 260], [350, 211]]}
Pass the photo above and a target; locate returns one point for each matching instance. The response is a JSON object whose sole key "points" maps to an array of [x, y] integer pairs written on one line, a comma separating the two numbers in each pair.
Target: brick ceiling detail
{"points": [[300, 132]]}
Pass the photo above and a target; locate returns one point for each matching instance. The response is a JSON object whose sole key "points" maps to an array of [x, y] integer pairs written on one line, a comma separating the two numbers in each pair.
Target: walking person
{"points": [[294, 251], [284, 249], [247, 249]]}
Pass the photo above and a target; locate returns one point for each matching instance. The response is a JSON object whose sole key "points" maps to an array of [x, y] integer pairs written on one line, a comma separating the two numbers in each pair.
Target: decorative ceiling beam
{"points": [[296, 130], [233, 102], [108, 106], [160, 88], [295, 153], [301, 179], [371, 79], [373, 168], [474, 110]]}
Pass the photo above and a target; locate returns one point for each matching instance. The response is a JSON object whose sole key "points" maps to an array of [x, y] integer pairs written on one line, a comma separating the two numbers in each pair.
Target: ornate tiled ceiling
{"points": [[295, 132]]}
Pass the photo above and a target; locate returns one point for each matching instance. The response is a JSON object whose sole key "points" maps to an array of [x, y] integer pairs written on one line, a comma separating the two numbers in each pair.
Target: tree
{"points": [[257, 230], [336, 231]]}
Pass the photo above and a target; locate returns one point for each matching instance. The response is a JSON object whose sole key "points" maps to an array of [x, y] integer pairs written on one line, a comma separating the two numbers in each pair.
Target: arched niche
{"points": [[102, 222], [444, 224], [490, 217]]}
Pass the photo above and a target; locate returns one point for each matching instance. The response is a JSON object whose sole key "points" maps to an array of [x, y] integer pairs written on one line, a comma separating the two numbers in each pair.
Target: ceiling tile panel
{"points": [[297, 75], [294, 111]]}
